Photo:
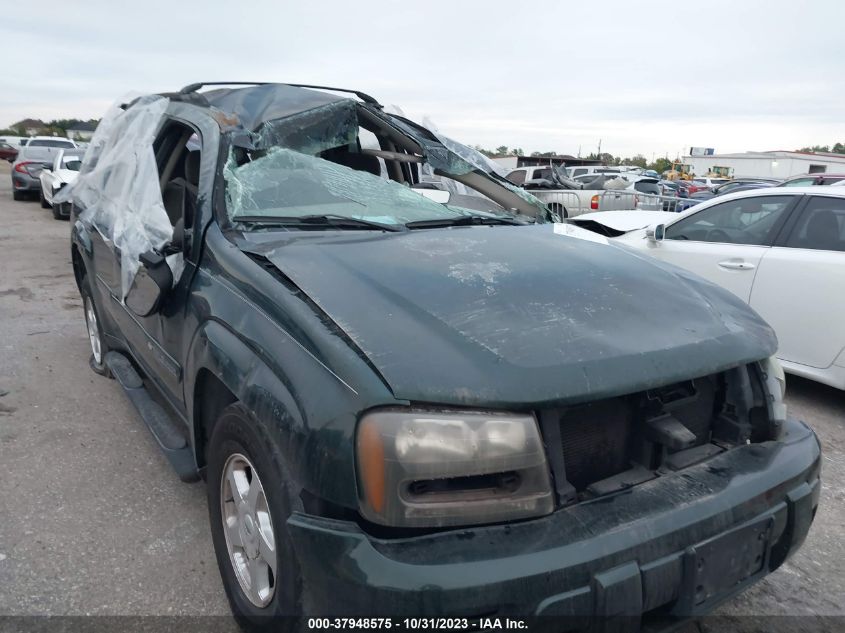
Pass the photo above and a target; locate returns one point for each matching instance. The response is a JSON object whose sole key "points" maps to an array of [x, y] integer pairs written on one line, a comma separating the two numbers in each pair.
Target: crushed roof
{"points": [[254, 105]]}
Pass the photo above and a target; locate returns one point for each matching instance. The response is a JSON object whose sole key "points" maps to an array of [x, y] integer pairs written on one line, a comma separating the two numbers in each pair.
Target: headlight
{"points": [[451, 468], [776, 386]]}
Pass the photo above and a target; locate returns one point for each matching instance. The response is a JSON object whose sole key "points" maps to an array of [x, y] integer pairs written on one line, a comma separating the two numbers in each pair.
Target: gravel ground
{"points": [[94, 521]]}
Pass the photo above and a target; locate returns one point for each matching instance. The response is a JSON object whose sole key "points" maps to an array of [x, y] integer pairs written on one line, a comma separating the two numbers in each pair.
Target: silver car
{"points": [[31, 159]]}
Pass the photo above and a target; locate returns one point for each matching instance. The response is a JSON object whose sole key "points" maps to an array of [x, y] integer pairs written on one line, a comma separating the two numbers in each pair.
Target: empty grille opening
{"points": [[596, 441], [602, 440], [696, 411]]}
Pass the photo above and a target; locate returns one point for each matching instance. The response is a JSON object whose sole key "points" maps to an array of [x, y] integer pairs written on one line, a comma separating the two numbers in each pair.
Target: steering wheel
{"points": [[718, 235]]}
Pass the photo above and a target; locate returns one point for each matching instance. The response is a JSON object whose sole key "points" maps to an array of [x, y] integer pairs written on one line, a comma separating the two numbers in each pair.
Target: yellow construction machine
{"points": [[679, 171]]}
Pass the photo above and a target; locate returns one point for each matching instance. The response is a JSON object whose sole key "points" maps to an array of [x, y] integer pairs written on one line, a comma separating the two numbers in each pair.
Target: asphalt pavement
{"points": [[94, 521]]}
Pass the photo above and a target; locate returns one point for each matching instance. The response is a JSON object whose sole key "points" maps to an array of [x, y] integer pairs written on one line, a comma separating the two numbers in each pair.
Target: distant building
{"points": [[81, 131], [775, 164]]}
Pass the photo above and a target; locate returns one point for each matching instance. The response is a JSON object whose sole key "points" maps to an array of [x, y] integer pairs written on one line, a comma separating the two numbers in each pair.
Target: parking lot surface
{"points": [[94, 521]]}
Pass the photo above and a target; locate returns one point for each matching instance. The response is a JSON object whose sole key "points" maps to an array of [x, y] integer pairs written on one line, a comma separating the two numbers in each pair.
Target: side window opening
{"points": [[178, 151], [821, 226], [517, 177], [745, 221]]}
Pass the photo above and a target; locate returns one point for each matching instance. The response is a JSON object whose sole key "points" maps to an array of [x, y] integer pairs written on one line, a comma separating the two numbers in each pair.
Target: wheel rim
{"points": [[250, 538], [93, 331]]}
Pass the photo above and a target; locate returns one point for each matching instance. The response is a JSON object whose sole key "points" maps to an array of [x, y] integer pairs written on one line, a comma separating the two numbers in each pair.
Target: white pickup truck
{"points": [[569, 198]]}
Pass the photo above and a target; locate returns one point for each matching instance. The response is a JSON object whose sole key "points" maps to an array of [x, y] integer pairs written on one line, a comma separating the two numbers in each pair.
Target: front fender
{"points": [[80, 242], [312, 416]]}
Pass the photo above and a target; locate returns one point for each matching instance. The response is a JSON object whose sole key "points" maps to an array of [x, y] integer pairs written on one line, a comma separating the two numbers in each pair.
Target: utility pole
{"points": [[599, 149]]}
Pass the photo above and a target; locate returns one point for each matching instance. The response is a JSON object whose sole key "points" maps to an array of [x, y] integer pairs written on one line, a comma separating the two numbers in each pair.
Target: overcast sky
{"points": [[642, 76]]}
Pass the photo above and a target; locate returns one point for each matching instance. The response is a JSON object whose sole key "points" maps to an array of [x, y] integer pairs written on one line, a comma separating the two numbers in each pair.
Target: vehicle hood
{"points": [[519, 316], [626, 220]]}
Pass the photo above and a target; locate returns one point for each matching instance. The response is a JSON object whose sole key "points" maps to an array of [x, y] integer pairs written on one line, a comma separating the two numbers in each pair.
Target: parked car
{"points": [[7, 152], [645, 191], [574, 172], [616, 223], [812, 180], [782, 250], [61, 173], [735, 188], [568, 197], [738, 182], [26, 169], [404, 407], [15, 141], [711, 183], [692, 186]]}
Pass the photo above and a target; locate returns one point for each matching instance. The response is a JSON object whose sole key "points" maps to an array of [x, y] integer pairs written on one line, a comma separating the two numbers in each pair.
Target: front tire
{"points": [[248, 507]]}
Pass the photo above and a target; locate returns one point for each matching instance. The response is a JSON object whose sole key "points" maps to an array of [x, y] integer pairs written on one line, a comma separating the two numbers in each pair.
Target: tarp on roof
{"points": [[257, 104]]}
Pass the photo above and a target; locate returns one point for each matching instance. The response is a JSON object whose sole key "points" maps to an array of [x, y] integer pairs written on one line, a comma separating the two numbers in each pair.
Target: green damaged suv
{"points": [[412, 391]]}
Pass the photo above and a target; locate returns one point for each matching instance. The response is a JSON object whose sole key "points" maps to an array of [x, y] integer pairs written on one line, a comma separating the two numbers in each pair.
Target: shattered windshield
{"points": [[286, 183], [326, 162]]}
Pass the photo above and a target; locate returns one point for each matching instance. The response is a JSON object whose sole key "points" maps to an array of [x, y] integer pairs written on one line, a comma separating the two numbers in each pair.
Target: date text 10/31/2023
{"points": [[421, 624]]}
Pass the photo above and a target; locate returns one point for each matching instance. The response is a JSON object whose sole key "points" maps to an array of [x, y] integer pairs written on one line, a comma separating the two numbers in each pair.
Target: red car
{"points": [[7, 152], [694, 186]]}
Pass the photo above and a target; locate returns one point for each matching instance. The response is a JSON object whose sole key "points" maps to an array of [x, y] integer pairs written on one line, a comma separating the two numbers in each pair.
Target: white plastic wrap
{"points": [[118, 189]]}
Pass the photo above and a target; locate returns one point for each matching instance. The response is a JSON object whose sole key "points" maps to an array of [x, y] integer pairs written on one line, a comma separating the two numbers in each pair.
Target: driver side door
{"points": [[724, 243]]}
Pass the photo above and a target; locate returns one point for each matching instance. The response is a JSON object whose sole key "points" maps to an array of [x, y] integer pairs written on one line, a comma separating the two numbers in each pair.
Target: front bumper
{"points": [[674, 546], [62, 209]]}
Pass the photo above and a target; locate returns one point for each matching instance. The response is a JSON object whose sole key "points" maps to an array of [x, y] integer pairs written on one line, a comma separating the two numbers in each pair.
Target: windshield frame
{"points": [[235, 139]]}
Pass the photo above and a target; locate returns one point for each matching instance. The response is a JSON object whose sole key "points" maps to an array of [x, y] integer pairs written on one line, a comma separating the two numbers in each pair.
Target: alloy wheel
{"points": [[248, 527], [93, 331]]}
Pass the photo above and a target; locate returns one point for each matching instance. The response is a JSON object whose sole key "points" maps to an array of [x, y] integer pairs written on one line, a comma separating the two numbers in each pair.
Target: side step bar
{"points": [[165, 430]]}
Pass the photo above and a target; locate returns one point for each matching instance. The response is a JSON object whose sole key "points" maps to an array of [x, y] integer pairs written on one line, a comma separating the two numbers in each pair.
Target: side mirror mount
{"points": [[656, 234], [152, 282], [47, 166]]}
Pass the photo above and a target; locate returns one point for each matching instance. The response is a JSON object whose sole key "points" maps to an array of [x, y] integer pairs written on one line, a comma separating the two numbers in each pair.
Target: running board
{"points": [[165, 430]]}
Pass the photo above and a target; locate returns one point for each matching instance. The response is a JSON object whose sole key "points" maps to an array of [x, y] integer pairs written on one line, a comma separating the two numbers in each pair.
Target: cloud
{"points": [[641, 77]]}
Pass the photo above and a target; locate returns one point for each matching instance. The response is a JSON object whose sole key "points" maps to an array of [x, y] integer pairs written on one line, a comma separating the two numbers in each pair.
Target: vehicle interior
{"points": [[177, 151], [743, 221]]}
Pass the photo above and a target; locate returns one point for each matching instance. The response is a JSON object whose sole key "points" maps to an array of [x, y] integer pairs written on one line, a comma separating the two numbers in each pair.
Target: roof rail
{"points": [[363, 96], [194, 87]]}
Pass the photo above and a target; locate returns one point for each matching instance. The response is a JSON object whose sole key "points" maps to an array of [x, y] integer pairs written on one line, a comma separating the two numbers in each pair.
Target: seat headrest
{"points": [[823, 229], [354, 160], [173, 197]]}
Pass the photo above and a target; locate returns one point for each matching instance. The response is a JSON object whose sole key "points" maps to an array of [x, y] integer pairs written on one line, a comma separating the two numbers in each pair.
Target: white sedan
{"points": [[63, 171], [782, 250]]}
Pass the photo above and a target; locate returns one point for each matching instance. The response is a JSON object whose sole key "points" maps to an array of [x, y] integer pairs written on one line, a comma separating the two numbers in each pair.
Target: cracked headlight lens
{"points": [[432, 469]]}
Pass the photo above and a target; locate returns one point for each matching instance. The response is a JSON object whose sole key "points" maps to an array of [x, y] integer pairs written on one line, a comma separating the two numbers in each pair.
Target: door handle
{"points": [[736, 264]]}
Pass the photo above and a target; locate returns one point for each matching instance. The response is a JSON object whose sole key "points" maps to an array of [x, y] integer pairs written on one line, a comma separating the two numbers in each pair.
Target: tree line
{"points": [[836, 148], [56, 127]]}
